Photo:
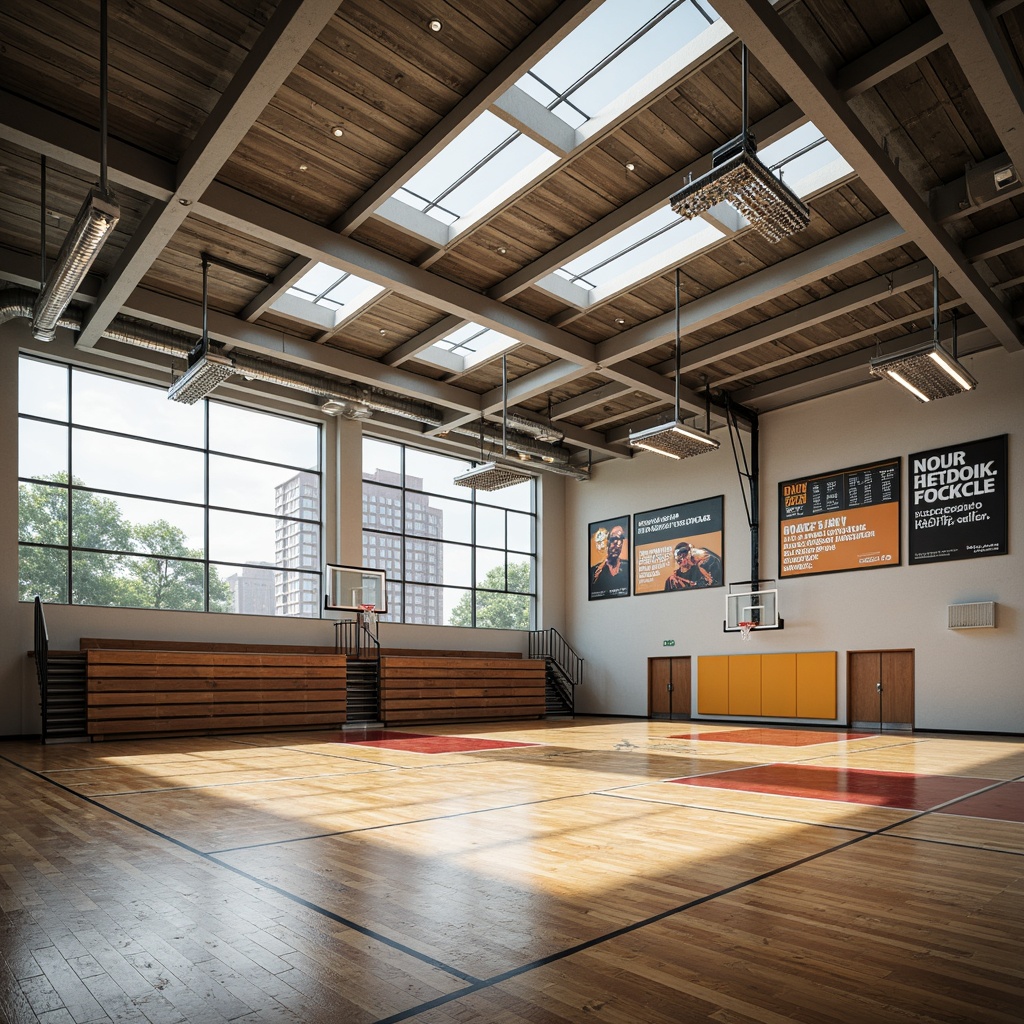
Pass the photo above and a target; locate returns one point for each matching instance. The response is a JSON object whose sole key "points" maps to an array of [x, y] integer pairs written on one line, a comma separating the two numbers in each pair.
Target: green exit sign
{"points": [[668, 643]]}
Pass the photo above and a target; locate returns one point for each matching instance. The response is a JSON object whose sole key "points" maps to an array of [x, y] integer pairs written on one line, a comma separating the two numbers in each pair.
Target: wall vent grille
{"points": [[977, 615]]}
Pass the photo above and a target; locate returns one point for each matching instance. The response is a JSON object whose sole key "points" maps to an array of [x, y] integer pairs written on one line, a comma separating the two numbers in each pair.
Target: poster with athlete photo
{"points": [[679, 547], [608, 575]]}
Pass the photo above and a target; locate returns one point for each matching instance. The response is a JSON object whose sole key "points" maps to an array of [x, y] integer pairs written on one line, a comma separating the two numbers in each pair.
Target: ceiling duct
{"points": [[346, 409]]}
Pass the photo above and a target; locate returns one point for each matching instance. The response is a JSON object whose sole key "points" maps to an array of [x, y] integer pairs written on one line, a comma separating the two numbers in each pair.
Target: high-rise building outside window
{"points": [[452, 557]]}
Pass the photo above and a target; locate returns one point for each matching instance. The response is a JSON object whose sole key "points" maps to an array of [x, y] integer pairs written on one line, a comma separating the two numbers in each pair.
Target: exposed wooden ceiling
{"points": [[220, 118]]}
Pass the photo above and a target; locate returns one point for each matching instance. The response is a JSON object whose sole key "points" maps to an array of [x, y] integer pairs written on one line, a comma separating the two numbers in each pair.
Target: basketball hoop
{"points": [[745, 628], [367, 612]]}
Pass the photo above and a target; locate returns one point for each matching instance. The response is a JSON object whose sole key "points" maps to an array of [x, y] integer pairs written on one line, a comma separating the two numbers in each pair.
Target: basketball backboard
{"points": [[754, 601], [351, 587]]}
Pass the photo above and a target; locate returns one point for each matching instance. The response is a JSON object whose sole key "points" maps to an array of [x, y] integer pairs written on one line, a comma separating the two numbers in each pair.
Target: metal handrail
{"points": [[354, 638], [41, 646], [549, 643]]}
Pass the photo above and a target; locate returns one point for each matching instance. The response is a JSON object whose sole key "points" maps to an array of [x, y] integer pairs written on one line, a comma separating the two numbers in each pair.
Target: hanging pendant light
{"points": [[928, 372], [738, 177], [490, 476], [677, 440]]}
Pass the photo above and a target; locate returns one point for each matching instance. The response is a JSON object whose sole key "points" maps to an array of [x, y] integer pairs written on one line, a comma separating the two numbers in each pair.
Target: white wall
{"points": [[965, 679]]}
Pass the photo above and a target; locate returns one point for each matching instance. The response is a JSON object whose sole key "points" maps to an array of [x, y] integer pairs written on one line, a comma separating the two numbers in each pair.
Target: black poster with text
{"points": [[959, 499]]}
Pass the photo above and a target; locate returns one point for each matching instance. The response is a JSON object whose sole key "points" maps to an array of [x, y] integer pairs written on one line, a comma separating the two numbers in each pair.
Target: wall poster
{"points": [[959, 502], [609, 559], [679, 547], [835, 522]]}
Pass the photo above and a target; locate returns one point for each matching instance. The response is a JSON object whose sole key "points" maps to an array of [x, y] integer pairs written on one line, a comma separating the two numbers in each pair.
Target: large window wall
{"points": [[129, 500], [452, 556]]}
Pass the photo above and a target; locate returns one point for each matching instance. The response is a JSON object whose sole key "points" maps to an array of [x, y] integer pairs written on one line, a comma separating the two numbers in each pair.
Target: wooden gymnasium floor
{"points": [[596, 870]]}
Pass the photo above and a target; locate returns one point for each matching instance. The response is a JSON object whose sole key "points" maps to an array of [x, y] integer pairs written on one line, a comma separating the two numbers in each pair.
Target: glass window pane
{"points": [[520, 574], [253, 487], [131, 581], [502, 611], [394, 614], [520, 532], [115, 523], [424, 604], [458, 607], [380, 457], [428, 471], [518, 497], [42, 389], [382, 507], [490, 526], [237, 537], [43, 514], [136, 467], [490, 569], [298, 594], [426, 516], [43, 572], [434, 562], [42, 450], [243, 589], [127, 407], [264, 436]]}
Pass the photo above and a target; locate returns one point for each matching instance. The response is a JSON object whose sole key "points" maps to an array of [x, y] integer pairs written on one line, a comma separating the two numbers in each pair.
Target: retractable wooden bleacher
{"points": [[159, 687]]}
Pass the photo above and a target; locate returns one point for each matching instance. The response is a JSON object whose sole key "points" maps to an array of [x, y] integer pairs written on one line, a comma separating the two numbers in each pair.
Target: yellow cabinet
{"points": [[745, 685], [778, 685], [713, 685], [816, 684]]}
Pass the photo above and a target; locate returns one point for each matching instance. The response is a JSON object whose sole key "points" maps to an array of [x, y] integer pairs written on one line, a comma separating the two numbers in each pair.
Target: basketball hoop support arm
{"points": [[749, 475]]}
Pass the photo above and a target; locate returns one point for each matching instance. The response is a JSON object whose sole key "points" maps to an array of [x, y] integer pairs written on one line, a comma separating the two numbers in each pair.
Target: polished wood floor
{"points": [[589, 875]]}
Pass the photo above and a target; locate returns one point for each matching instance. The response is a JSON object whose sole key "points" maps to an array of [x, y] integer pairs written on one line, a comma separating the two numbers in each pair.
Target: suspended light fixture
{"points": [[490, 476], [738, 177], [206, 369], [92, 226], [927, 371], [677, 440]]}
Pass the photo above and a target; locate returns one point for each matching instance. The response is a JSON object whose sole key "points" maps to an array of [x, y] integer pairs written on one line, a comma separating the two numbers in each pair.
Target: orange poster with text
{"points": [[858, 538]]}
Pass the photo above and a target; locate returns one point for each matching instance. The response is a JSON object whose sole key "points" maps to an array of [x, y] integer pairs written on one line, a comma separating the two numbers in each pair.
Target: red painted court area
{"points": [[424, 743], [852, 785], [774, 737], [1005, 803]]}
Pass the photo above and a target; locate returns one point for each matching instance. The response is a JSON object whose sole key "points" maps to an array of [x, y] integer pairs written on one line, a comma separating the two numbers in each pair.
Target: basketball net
{"points": [[745, 628], [369, 615]]}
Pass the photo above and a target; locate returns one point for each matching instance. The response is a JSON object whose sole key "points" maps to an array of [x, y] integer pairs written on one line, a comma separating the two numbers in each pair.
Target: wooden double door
{"points": [[880, 689], [668, 687]]}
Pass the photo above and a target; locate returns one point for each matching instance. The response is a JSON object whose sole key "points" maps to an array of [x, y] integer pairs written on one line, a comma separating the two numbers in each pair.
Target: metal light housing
{"points": [[676, 440], [204, 373], [926, 371], [738, 177], [93, 225], [491, 477]]}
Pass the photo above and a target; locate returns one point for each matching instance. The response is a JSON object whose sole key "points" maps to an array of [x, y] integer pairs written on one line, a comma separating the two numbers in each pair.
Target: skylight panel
{"points": [[467, 346], [325, 296], [807, 160], [610, 52], [479, 168], [636, 252]]}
